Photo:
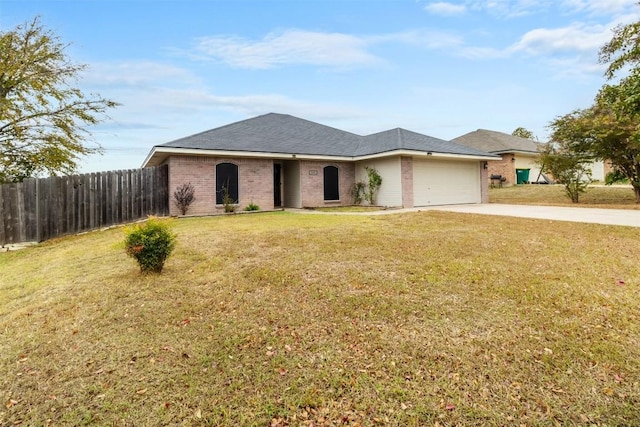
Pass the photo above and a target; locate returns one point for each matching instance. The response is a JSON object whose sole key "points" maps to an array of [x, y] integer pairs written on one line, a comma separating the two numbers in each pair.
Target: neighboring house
{"points": [[515, 153], [278, 160]]}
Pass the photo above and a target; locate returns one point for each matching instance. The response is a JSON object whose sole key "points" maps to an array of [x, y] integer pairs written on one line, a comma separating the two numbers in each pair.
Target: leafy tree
{"points": [[622, 50], [609, 130], [43, 116], [524, 133], [567, 168]]}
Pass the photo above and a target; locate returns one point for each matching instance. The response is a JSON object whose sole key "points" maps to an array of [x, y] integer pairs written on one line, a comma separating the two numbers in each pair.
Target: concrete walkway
{"points": [[628, 217]]}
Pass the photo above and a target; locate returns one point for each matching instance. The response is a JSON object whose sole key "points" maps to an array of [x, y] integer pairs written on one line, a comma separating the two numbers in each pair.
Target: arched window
{"points": [[226, 182], [331, 183]]}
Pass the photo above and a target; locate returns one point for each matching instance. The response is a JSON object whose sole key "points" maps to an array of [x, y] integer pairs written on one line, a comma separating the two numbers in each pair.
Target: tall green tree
{"points": [[44, 117], [608, 130], [622, 50], [524, 133]]}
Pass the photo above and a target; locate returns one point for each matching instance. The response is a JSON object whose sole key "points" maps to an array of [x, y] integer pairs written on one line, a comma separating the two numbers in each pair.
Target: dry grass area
{"points": [[282, 319], [614, 197]]}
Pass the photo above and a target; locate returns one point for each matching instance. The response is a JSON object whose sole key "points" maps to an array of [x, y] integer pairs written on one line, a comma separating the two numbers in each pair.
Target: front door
{"points": [[277, 185]]}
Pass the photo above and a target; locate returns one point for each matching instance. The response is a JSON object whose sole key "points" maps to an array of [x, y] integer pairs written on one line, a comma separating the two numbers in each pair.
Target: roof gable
{"points": [[496, 142], [274, 133]]}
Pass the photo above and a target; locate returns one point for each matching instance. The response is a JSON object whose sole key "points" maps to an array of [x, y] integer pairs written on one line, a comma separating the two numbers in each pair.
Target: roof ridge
{"points": [[400, 138]]}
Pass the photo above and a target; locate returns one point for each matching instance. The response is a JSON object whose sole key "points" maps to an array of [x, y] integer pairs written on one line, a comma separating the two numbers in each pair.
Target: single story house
{"points": [[277, 160], [515, 153]]}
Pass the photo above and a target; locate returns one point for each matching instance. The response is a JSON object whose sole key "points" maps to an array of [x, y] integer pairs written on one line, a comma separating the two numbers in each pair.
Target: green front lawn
{"points": [[417, 319], [615, 197]]}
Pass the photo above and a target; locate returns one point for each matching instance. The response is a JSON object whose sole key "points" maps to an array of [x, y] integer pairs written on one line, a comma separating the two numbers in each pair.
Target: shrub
{"points": [[227, 201], [358, 192], [150, 244], [183, 197], [252, 207]]}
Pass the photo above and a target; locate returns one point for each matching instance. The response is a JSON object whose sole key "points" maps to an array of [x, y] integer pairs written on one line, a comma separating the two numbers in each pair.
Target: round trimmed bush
{"points": [[150, 244]]}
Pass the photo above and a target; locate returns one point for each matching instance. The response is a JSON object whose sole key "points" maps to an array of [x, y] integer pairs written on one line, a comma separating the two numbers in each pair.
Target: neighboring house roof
{"points": [[288, 136], [497, 142]]}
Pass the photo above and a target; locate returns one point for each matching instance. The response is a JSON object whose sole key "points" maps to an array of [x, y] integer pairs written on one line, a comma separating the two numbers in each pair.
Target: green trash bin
{"points": [[522, 176]]}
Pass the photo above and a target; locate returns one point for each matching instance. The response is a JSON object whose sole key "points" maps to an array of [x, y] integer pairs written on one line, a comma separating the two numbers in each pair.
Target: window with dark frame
{"points": [[226, 181], [331, 184]]}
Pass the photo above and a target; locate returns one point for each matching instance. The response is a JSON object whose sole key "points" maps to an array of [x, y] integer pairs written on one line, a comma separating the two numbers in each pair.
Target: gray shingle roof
{"points": [[496, 142], [285, 134], [274, 133], [402, 139]]}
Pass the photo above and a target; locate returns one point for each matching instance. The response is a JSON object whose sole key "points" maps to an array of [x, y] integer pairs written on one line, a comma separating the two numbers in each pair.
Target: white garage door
{"points": [[443, 182]]}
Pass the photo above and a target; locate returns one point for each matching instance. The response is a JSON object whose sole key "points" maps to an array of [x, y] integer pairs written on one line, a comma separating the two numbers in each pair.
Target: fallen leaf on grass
{"points": [[143, 391], [10, 403]]}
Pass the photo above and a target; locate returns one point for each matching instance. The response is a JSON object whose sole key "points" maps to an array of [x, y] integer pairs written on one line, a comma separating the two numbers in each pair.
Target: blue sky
{"points": [[442, 68]]}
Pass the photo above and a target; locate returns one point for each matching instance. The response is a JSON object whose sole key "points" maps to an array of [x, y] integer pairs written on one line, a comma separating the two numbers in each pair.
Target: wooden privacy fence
{"points": [[39, 209]]}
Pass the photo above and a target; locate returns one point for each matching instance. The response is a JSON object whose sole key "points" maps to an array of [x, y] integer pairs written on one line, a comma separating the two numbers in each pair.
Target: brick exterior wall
{"points": [[312, 183], [255, 179], [505, 167], [406, 173], [484, 183]]}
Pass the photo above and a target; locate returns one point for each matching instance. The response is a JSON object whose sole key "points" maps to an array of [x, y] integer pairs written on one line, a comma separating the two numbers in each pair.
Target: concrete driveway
{"points": [[628, 217]]}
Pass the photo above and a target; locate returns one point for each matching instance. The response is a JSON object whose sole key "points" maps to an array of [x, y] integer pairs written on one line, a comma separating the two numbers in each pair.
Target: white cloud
{"points": [[445, 8], [568, 51], [156, 97], [136, 73], [509, 8], [577, 66], [609, 7], [426, 39], [299, 47], [290, 47], [518, 8], [576, 37]]}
